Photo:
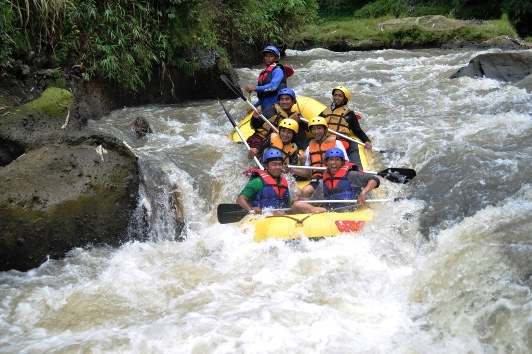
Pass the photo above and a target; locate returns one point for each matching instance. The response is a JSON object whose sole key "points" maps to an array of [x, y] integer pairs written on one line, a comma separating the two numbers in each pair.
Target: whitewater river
{"points": [[447, 270]]}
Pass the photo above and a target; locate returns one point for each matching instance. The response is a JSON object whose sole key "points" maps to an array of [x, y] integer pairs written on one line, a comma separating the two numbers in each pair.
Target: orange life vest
{"points": [[287, 149], [317, 153]]}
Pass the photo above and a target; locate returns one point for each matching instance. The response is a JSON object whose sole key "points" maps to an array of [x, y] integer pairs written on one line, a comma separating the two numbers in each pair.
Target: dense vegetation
{"points": [[518, 11], [122, 40]]}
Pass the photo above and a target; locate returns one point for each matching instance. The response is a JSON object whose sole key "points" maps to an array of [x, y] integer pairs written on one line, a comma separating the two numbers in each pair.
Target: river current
{"points": [[447, 269]]}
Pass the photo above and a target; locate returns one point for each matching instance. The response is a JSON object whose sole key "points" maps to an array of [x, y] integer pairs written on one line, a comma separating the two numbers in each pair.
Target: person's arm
{"points": [[300, 207], [277, 77], [303, 172], [250, 190], [355, 127], [264, 145], [242, 200], [294, 161], [362, 196], [257, 152], [366, 182], [256, 121], [294, 158]]}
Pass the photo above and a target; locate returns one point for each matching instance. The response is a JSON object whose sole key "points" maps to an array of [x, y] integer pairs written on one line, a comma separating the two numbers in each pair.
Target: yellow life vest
{"points": [[265, 129], [336, 119]]}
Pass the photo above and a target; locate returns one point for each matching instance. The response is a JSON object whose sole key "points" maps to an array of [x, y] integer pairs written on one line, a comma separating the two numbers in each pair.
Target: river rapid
{"points": [[447, 269]]}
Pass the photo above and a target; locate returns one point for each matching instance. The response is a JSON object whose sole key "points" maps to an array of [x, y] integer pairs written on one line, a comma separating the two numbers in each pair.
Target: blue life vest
{"points": [[273, 195], [337, 187]]}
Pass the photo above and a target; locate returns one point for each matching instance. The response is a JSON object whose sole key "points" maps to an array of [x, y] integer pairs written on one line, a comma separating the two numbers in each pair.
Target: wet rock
{"points": [[141, 127], [508, 67], [526, 83], [60, 187], [9, 151], [55, 198]]}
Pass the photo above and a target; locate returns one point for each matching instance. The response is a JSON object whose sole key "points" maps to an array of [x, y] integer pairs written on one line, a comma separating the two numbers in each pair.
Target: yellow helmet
{"points": [[345, 91], [317, 121], [289, 123]]}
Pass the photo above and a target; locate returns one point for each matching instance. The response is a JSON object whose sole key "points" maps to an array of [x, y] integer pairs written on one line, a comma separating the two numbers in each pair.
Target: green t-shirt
{"points": [[254, 187]]}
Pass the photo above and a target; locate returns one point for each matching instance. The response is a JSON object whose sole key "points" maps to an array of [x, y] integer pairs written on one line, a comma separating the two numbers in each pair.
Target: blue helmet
{"points": [[286, 91], [334, 152], [271, 49], [271, 155]]}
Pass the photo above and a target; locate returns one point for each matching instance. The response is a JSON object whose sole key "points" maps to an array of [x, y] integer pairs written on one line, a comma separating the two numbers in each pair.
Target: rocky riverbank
{"points": [[63, 185]]}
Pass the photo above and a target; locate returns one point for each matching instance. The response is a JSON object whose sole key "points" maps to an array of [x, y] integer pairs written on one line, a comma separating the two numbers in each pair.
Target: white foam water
{"points": [[445, 270]]}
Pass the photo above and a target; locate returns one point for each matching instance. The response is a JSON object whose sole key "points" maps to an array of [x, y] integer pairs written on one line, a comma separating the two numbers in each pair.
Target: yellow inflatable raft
{"points": [[294, 226]]}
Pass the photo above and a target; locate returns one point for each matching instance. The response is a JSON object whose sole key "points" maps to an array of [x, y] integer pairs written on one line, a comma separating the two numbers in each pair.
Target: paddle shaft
{"points": [[239, 93], [324, 168], [241, 135], [230, 213], [392, 174], [339, 201]]}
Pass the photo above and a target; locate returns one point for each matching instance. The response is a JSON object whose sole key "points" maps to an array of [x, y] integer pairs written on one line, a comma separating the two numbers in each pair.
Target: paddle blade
{"points": [[229, 213], [398, 175], [236, 90], [288, 71], [228, 115]]}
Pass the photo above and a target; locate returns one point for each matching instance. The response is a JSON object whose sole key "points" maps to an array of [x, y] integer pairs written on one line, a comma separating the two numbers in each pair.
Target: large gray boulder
{"points": [[60, 187], [508, 67]]}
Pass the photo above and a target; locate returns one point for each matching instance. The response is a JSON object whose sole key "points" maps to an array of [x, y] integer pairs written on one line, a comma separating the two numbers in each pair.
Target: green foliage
{"points": [[340, 7], [122, 41], [519, 14], [7, 37], [473, 9], [241, 25], [113, 48], [381, 8], [437, 9], [374, 33]]}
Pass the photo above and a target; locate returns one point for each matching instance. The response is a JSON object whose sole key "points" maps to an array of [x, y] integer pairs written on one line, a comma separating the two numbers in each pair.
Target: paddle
{"points": [[229, 213], [240, 134], [238, 92], [288, 71], [392, 174], [350, 201]]}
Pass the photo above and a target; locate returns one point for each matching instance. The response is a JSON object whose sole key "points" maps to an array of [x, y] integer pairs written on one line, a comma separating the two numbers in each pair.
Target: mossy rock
{"points": [[52, 113], [58, 197]]}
